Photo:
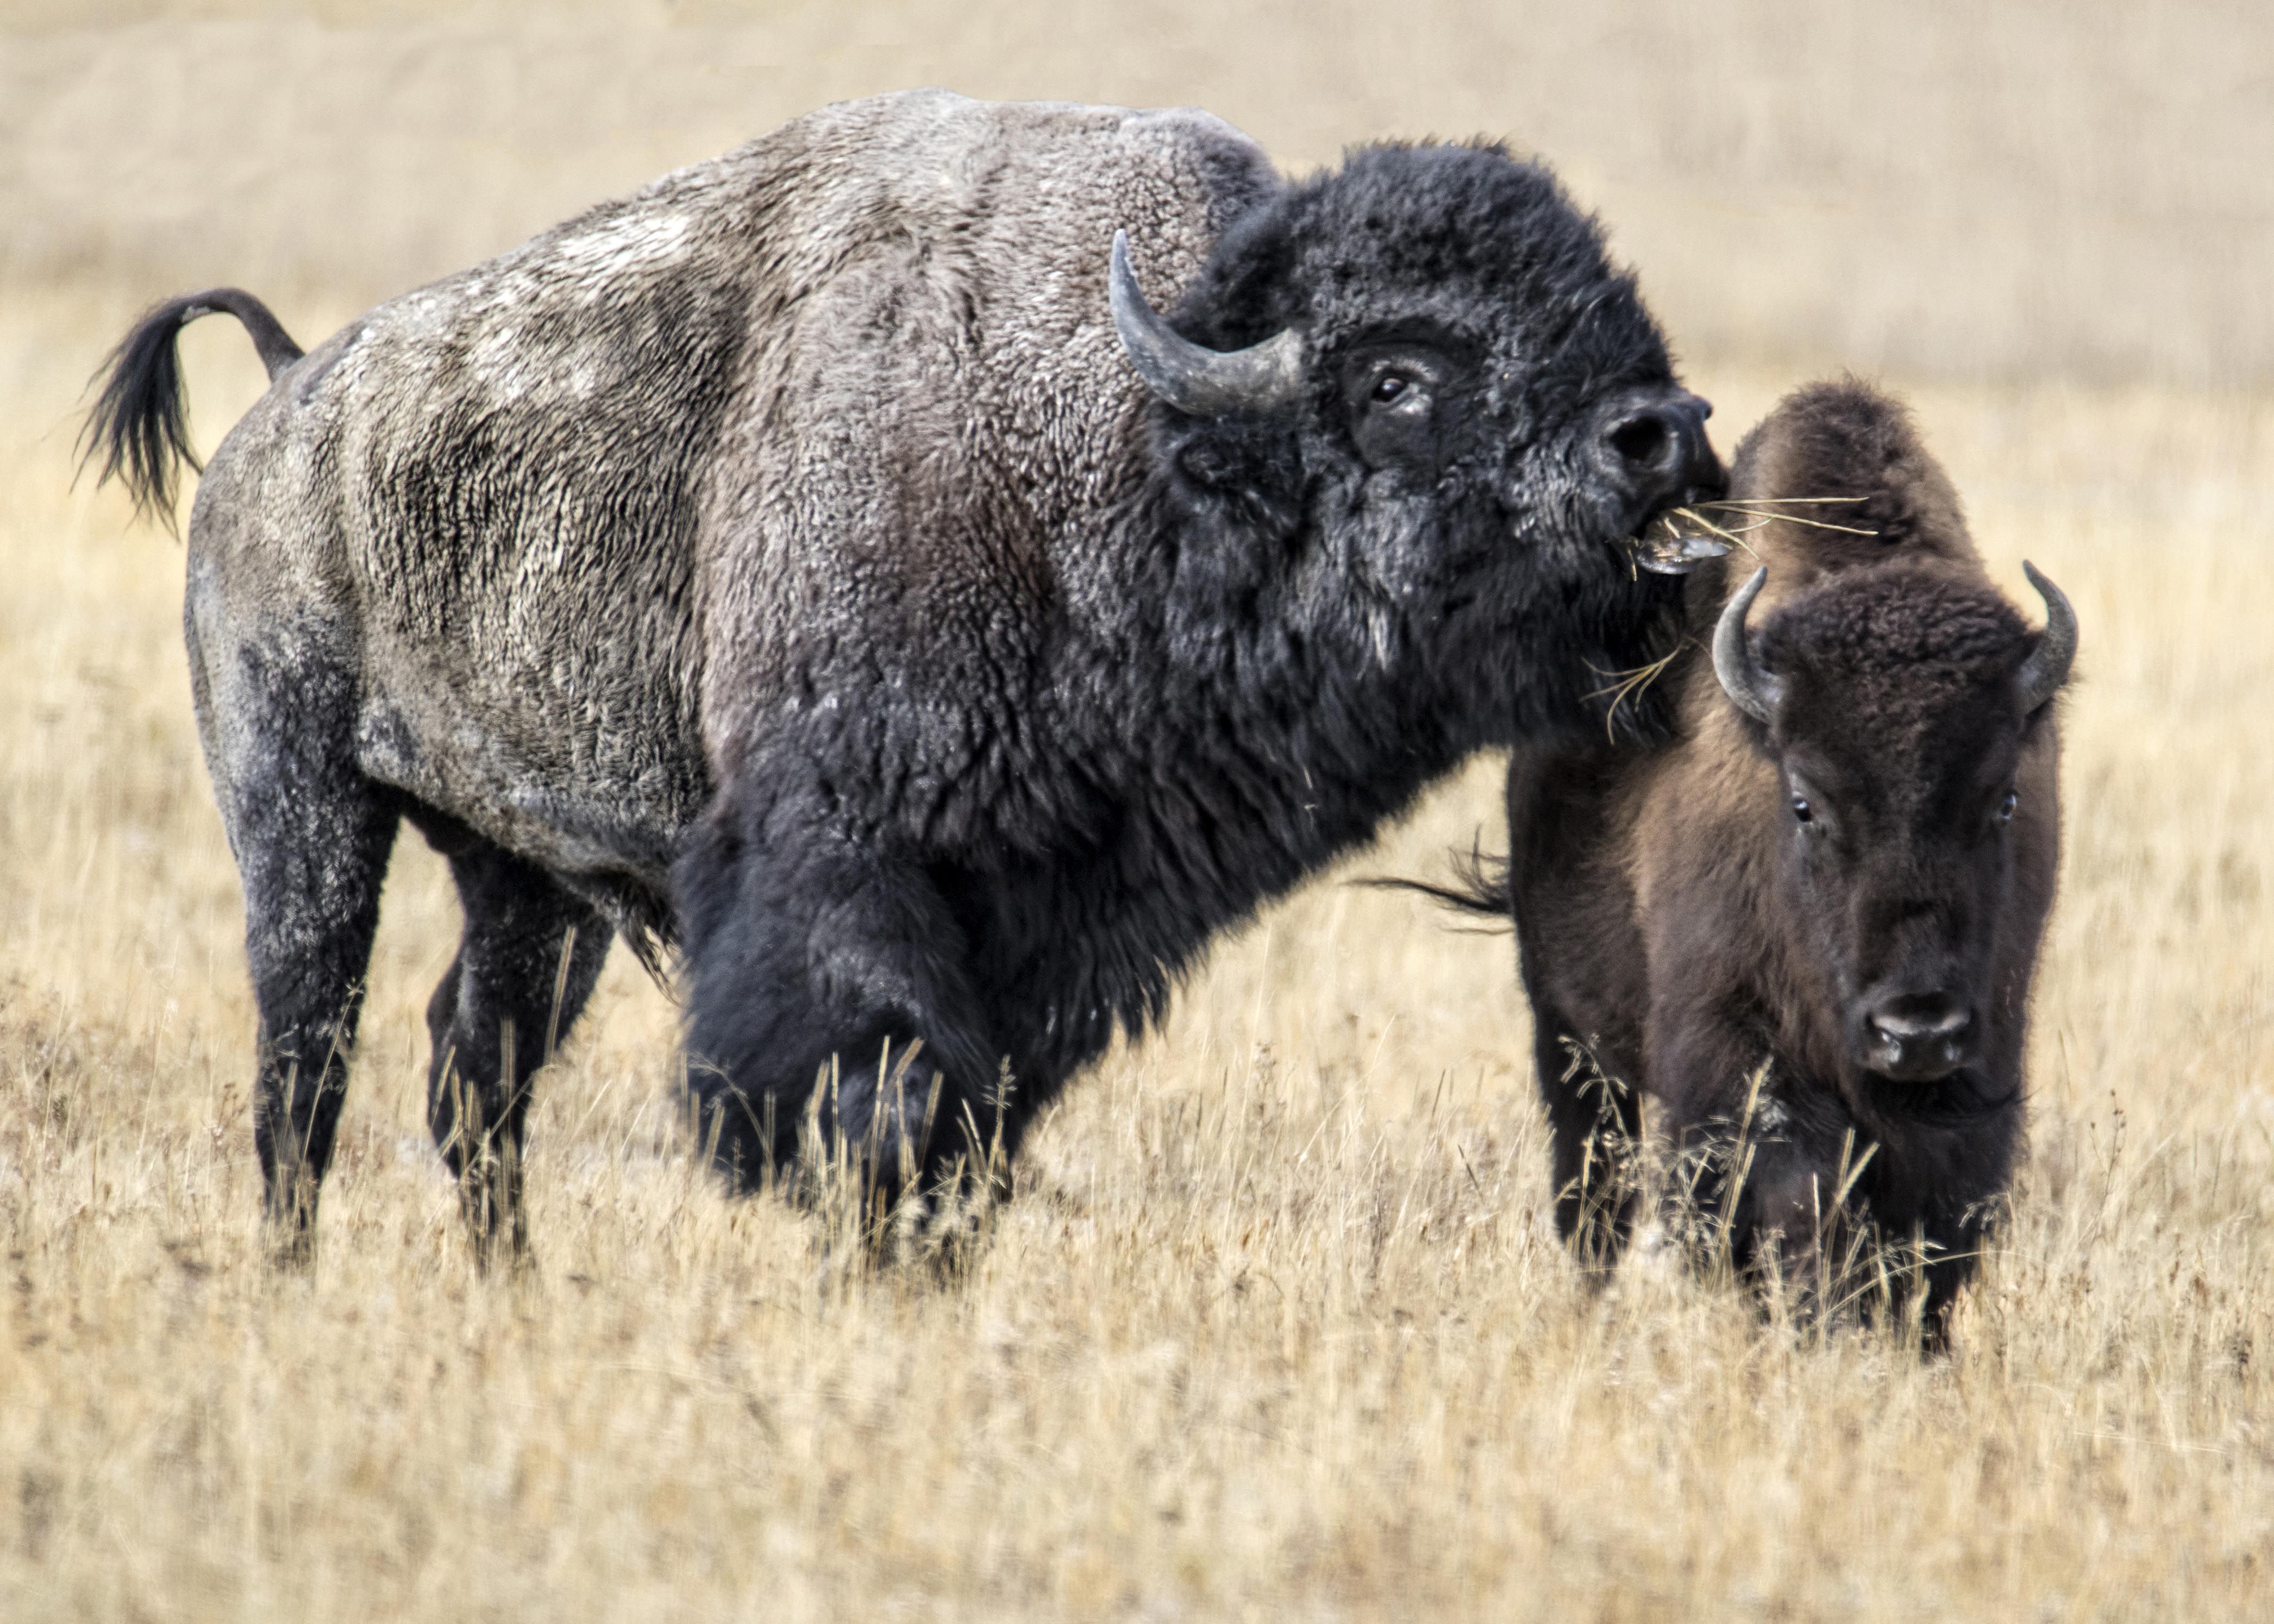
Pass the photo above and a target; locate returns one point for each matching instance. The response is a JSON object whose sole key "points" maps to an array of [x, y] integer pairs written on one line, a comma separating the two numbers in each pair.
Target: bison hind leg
{"points": [[526, 965], [311, 836], [312, 911]]}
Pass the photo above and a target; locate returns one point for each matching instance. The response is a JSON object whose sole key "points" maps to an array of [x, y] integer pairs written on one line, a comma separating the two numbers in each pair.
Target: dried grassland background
{"points": [[1275, 1329]]}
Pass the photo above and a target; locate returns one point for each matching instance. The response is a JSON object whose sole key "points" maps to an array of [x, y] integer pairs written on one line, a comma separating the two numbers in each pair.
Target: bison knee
{"points": [[826, 995]]}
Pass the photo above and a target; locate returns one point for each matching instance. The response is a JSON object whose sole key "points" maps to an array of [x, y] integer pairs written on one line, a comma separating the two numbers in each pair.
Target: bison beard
{"points": [[787, 564]]}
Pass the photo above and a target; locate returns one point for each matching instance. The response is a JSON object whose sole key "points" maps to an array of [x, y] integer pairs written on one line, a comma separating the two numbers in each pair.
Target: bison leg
{"points": [[1594, 1121], [312, 837], [829, 1007], [529, 957], [1779, 1195]]}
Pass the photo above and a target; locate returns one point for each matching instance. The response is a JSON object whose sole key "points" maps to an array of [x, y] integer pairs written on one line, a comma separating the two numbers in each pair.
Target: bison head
{"points": [[1897, 704], [1421, 376]]}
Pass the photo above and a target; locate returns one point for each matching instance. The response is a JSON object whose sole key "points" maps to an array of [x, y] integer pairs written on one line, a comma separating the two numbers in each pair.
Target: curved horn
{"points": [[1189, 377], [2046, 669], [1754, 691]]}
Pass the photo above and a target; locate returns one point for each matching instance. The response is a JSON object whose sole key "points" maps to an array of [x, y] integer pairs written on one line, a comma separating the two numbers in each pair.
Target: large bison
{"points": [[819, 562], [1837, 865]]}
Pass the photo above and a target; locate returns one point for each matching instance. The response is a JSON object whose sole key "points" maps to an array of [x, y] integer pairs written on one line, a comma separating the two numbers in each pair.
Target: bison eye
{"points": [[2005, 806], [1391, 392], [1802, 811]]}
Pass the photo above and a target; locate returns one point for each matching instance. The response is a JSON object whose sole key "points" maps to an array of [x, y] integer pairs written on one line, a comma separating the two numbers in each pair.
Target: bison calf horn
{"points": [[1753, 690], [2046, 670]]}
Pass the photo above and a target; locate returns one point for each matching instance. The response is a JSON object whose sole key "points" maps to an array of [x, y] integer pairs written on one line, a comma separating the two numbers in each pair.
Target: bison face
{"points": [[1419, 390], [1428, 417], [1898, 706]]}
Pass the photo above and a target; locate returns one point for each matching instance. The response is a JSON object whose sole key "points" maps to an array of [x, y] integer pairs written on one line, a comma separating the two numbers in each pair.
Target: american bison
{"points": [[826, 564], [1837, 865]]}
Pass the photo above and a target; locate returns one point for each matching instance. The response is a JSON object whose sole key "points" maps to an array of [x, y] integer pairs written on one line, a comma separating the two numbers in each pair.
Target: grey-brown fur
{"points": [[786, 562], [1679, 924]]}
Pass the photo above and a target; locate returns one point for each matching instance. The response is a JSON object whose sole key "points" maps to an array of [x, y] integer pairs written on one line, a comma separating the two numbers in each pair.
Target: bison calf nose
{"points": [[1918, 1037], [1656, 450]]}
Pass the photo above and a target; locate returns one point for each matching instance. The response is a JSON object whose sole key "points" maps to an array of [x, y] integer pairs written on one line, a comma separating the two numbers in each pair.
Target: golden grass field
{"points": [[1276, 1327]]}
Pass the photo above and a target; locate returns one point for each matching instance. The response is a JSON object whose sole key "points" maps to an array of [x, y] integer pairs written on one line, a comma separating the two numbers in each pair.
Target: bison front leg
{"points": [[1773, 1178], [1741, 1142], [829, 1010]]}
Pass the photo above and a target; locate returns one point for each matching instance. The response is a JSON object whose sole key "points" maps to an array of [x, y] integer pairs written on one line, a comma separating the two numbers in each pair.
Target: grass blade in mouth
{"points": [[1676, 543], [1761, 509], [1679, 540]]}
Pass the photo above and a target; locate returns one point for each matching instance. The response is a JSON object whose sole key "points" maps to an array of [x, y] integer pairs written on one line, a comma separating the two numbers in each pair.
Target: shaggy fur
{"points": [[1679, 925], [785, 563]]}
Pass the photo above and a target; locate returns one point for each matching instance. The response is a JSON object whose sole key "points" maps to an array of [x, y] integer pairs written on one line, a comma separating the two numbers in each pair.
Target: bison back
{"points": [[818, 425]]}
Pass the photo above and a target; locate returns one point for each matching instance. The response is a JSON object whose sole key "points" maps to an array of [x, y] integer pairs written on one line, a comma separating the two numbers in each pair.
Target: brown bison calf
{"points": [[1805, 925]]}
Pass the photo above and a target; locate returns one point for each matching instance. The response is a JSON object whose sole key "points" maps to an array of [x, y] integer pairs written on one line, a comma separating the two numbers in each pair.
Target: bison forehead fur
{"points": [[786, 562], [1894, 661]]}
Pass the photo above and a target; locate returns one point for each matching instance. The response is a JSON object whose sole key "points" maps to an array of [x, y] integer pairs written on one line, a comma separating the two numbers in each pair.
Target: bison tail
{"points": [[139, 426], [1478, 884]]}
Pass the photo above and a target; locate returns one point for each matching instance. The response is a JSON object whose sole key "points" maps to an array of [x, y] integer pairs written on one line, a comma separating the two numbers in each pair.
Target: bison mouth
{"points": [[1954, 1100], [1677, 541]]}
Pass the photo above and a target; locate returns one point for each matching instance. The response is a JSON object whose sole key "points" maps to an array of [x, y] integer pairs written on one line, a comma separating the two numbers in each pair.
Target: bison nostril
{"points": [[1918, 1037], [1654, 453], [1920, 1020], [1646, 442]]}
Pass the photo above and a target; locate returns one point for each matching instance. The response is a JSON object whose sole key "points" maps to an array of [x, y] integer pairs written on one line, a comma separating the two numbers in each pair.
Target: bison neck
{"points": [[1217, 748]]}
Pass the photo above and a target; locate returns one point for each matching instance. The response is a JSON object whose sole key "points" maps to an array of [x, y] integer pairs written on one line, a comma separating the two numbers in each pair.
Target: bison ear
{"points": [[1249, 473]]}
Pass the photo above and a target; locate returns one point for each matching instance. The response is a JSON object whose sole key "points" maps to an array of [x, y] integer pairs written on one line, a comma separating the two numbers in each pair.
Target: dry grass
{"points": [[1276, 1328]]}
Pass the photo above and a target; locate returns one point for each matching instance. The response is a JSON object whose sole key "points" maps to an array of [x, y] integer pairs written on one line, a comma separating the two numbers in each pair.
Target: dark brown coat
{"points": [[1849, 888]]}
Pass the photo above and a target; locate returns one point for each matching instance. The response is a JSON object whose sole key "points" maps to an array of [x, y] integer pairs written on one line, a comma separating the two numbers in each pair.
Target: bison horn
{"points": [[2046, 669], [1754, 691], [1189, 377]]}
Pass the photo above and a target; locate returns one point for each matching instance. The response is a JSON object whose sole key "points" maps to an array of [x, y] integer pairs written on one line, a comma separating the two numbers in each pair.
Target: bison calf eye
{"points": [[1390, 388], [2005, 806], [1802, 811]]}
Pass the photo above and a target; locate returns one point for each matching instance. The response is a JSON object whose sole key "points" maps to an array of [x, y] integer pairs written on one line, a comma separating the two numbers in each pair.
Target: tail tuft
{"points": [[1479, 885], [139, 427]]}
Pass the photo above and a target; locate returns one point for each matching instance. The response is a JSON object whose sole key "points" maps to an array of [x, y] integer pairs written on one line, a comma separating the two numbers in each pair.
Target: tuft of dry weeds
{"points": [[1275, 1325]]}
